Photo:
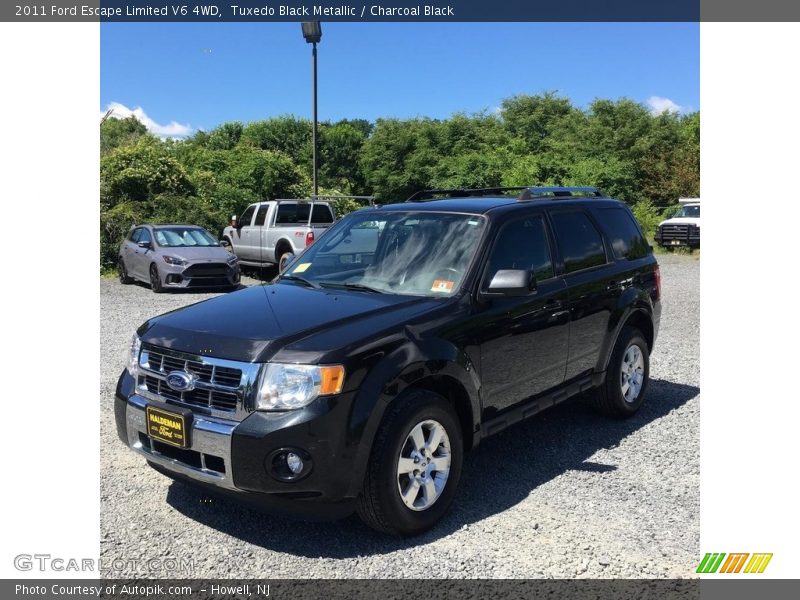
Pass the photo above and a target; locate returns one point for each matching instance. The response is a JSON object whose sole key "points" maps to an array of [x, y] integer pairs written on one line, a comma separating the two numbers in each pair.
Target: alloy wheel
{"points": [[423, 465], [632, 373]]}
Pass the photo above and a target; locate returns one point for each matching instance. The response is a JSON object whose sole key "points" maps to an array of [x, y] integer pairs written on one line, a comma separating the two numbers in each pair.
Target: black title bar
{"points": [[399, 10]]}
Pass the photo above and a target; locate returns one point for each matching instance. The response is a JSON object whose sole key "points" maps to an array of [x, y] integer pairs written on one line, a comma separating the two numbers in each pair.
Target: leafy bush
{"points": [[648, 215], [531, 140]]}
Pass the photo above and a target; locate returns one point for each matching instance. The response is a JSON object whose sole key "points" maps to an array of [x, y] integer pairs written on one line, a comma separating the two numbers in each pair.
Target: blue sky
{"points": [[185, 76]]}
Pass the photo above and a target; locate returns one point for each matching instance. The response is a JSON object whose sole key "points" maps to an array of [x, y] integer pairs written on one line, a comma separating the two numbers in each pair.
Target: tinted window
{"points": [[578, 241], [522, 244], [626, 240], [287, 214], [144, 236], [247, 216], [293, 214], [321, 214], [261, 217], [135, 234]]}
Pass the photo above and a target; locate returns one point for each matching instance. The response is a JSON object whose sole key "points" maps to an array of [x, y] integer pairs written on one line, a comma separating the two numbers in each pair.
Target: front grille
{"points": [[198, 460], [208, 282], [207, 270], [219, 385], [684, 233]]}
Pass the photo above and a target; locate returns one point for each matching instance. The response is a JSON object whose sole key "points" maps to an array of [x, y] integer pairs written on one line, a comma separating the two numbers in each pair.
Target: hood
{"points": [[253, 324], [682, 221], [197, 253]]}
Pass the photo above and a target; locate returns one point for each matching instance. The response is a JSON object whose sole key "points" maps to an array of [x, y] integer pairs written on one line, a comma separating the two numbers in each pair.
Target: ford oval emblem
{"points": [[180, 381]]}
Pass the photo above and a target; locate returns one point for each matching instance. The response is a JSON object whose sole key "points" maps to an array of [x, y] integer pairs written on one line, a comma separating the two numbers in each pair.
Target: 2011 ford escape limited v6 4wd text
{"points": [[396, 342]]}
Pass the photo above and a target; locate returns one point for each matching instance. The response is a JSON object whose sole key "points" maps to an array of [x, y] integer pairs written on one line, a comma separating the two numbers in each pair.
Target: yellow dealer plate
{"points": [[166, 426]]}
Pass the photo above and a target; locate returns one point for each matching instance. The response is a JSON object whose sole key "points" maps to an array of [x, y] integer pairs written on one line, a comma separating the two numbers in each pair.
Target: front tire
{"points": [[415, 465], [155, 280], [627, 376]]}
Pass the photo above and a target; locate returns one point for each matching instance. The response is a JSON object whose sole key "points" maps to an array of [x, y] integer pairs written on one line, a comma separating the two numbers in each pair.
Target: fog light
{"points": [[289, 464], [294, 462]]}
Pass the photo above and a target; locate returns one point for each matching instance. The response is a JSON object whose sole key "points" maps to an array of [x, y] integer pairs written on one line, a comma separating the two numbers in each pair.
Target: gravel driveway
{"points": [[567, 494]]}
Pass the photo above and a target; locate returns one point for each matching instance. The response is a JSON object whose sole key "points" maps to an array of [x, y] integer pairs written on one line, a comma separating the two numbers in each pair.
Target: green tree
{"points": [[120, 132], [140, 171], [339, 148], [286, 134], [225, 137]]}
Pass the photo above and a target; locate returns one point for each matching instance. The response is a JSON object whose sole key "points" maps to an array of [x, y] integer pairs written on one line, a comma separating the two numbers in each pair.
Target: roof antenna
{"points": [[525, 195]]}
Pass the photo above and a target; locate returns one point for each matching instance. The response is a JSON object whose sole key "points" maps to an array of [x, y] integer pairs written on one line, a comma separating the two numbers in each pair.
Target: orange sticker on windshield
{"points": [[444, 286]]}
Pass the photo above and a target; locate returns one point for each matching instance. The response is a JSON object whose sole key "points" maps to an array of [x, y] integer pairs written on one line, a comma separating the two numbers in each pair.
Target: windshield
{"points": [[179, 237], [414, 253], [689, 211]]}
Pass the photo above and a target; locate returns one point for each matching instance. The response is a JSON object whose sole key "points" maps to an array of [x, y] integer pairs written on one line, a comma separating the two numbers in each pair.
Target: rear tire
{"points": [[124, 278], [627, 376], [155, 280], [280, 253], [409, 485]]}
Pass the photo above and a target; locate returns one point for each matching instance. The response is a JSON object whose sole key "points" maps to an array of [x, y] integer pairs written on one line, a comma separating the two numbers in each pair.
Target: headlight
{"points": [[174, 260], [133, 355], [233, 261], [287, 387]]}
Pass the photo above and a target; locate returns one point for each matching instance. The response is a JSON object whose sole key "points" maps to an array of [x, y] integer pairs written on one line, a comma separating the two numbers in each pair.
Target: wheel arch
{"points": [[638, 315], [282, 243], [452, 377]]}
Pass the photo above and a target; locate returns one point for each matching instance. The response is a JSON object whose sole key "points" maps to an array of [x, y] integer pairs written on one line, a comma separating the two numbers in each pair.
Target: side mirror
{"points": [[285, 261], [512, 282], [225, 243], [144, 244]]}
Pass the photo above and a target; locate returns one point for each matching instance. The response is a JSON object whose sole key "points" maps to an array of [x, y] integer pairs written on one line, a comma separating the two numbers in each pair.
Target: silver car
{"points": [[176, 257]]}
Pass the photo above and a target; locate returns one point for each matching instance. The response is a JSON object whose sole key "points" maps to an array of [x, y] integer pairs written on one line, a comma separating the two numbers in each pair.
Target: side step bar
{"points": [[536, 405]]}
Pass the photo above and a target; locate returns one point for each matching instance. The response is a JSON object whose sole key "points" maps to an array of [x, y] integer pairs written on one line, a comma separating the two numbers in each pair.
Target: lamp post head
{"points": [[312, 31]]}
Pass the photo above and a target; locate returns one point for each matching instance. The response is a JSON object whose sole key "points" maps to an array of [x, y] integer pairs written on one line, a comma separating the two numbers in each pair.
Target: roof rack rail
{"points": [[527, 193], [536, 193], [427, 195]]}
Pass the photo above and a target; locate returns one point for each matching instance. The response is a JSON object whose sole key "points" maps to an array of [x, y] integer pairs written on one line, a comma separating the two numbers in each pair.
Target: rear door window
{"points": [[579, 242], [261, 216], [623, 233]]}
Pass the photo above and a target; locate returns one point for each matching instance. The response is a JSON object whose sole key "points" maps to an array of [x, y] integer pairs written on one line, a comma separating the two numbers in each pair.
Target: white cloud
{"points": [[171, 130], [659, 105]]}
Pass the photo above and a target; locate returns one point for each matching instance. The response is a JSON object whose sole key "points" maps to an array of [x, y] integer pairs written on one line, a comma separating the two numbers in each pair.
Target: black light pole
{"points": [[312, 32]]}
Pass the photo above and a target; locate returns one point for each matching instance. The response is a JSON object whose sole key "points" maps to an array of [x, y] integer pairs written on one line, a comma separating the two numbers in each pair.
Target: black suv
{"points": [[396, 342]]}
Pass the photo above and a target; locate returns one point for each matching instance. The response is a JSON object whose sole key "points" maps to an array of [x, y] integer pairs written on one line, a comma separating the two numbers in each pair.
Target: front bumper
{"points": [[680, 235], [199, 276], [233, 458]]}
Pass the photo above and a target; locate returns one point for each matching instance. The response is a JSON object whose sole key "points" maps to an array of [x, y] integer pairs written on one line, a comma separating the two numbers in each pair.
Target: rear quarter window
{"points": [[623, 233]]}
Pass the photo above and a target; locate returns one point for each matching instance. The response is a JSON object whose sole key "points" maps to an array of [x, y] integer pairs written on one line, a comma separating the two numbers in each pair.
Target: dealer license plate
{"points": [[166, 426]]}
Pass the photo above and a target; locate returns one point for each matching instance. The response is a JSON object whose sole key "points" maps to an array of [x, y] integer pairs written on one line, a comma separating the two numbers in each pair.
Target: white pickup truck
{"points": [[267, 230], [683, 228]]}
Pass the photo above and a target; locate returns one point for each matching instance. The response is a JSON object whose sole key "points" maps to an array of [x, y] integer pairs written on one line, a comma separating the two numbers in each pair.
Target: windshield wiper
{"points": [[353, 286], [303, 280]]}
